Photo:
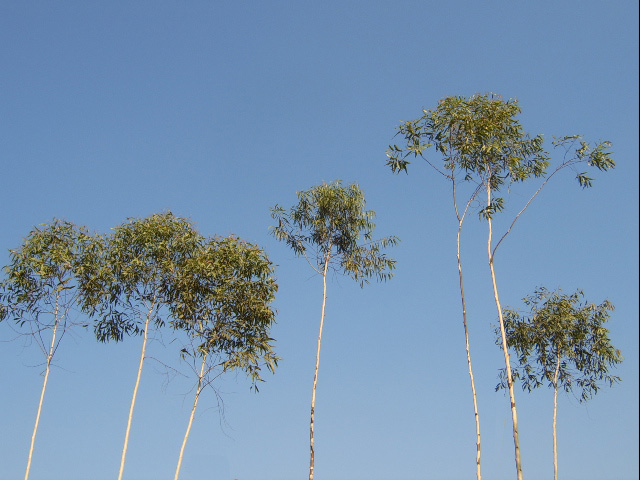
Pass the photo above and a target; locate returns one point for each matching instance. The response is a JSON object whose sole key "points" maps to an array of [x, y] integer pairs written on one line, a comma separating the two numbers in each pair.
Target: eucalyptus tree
{"points": [[561, 341], [430, 127], [39, 292], [330, 227], [226, 290], [482, 138], [130, 284]]}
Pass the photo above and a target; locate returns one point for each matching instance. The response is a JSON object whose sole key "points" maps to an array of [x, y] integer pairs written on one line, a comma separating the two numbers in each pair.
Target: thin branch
{"points": [[175, 371], [304, 253], [560, 167], [38, 335], [436, 168]]}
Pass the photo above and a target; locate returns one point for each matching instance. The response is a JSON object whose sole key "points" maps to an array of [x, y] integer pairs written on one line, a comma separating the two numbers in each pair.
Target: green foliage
{"points": [[331, 224], [224, 294], [39, 285], [131, 274], [598, 156], [496, 205], [561, 331], [217, 290], [480, 137]]}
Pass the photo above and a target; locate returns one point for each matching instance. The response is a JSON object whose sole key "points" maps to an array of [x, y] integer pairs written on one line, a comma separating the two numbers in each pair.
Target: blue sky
{"points": [[218, 111]]}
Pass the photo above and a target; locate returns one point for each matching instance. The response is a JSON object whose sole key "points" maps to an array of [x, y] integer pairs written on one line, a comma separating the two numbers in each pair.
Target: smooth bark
{"points": [[466, 330], [135, 390], [44, 384], [505, 348], [467, 345], [193, 412], [315, 377], [555, 419]]}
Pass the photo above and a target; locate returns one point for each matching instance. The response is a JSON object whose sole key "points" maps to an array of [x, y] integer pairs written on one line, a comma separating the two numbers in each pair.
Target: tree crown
{"points": [[225, 292], [482, 138], [42, 271], [561, 332], [135, 269], [330, 219]]}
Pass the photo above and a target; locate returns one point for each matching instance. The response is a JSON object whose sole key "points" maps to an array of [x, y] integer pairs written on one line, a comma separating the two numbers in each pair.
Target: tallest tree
{"points": [[481, 140]]}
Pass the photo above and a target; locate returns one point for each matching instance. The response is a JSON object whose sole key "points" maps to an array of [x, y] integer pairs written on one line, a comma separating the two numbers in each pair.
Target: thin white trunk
{"points": [[555, 419], [467, 344], [135, 390], [465, 324], [315, 377], [44, 384], [505, 348], [193, 413]]}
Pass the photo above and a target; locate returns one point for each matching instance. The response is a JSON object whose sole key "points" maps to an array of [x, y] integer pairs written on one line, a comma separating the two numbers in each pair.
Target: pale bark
{"points": [[505, 348], [466, 332], [315, 377], [193, 412], [473, 384], [44, 384], [555, 419], [135, 390]]}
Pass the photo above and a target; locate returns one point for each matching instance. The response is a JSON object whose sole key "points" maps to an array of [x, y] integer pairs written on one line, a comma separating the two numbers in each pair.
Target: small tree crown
{"points": [[563, 333], [45, 265], [224, 295], [331, 220]]}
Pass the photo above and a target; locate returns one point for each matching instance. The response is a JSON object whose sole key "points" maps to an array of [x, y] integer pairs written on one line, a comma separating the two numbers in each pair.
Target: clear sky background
{"points": [[218, 111]]}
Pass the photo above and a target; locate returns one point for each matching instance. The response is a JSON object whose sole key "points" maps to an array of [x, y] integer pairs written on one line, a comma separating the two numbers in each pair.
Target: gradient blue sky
{"points": [[219, 110]]}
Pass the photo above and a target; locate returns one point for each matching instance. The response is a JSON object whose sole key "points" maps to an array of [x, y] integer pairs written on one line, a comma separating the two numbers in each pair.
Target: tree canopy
{"points": [[561, 332], [133, 273], [225, 293], [330, 224], [481, 137], [40, 279]]}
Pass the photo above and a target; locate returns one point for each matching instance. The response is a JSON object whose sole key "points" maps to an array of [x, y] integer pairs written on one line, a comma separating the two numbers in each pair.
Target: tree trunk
{"points": [[135, 390], [44, 384], [505, 348], [315, 377], [555, 420], [193, 412], [466, 336]]}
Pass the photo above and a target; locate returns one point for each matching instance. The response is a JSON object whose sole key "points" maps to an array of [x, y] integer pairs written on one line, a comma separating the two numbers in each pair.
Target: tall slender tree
{"points": [[434, 130], [330, 227], [482, 137], [225, 293], [39, 292], [130, 283], [560, 341]]}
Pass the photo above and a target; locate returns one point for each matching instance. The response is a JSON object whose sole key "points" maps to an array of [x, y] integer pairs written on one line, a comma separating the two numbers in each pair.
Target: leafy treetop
{"points": [[133, 270], [41, 276], [481, 137], [224, 293], [330, 220], [562, 332]]}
